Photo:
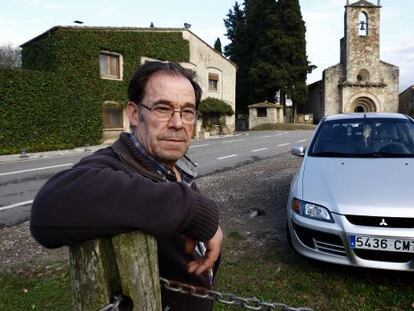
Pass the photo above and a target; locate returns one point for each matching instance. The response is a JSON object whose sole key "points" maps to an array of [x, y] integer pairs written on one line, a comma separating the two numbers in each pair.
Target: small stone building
{"points": [[406, 103], [265, 112], [361, 82]]}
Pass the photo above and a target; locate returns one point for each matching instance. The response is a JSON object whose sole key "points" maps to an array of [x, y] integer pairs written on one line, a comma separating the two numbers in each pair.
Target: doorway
{"points": [[363, 104]]}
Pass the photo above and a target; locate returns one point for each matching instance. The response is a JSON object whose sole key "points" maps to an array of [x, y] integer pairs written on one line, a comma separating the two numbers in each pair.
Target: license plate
{"points": [[383, 244]]}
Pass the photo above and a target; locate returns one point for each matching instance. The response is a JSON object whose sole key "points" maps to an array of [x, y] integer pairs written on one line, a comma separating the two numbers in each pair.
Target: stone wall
{"points": [[362, 52], [272, 116], [406, 101], [390, 74], [332, 77], [315, 105]]}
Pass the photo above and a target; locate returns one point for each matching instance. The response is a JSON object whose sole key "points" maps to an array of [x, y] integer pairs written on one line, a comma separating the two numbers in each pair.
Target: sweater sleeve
{"points": [[96, 200]]}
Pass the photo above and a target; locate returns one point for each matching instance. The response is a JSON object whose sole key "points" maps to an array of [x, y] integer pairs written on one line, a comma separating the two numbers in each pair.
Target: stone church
{"points": [[361, 82]]}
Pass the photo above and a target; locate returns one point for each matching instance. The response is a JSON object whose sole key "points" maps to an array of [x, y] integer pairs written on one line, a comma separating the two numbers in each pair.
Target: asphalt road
{"points": [[20, 181]]}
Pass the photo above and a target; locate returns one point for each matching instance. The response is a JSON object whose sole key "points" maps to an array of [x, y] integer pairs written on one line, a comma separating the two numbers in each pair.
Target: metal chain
{"points": [[114, 306], [252, 303], [226, 298]]}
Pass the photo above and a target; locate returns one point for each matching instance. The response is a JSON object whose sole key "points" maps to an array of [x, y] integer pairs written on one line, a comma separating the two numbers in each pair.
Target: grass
{"points": [[276, 275], [40, 288], [266, 272], [284, 126]]}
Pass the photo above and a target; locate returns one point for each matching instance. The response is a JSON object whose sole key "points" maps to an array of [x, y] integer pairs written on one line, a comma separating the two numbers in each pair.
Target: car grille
{"points": [[383, 256], [389, 222], [321, 241]]}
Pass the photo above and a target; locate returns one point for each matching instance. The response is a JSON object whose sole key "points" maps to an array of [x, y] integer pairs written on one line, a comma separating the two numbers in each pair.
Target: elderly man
{"points": [[144, 182]]}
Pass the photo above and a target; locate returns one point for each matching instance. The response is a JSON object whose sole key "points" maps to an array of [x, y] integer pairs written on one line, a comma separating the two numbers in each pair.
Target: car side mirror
{"points": [[298, 151]]}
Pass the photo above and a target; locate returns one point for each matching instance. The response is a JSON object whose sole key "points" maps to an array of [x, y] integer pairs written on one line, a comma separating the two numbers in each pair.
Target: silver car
{"points": [[352, 200]]}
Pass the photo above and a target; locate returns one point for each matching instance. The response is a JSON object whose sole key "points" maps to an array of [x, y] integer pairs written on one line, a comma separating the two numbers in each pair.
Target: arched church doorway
{"points": [[363, 104]]}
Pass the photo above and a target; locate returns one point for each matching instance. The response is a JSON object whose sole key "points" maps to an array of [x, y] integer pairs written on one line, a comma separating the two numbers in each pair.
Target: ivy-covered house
{"points": [[72, 88]]}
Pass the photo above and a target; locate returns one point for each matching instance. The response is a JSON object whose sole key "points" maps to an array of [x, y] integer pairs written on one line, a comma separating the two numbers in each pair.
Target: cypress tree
{"points": [[267, 42], [217, 46], [293, 54], [237, 52], [263, 31]]}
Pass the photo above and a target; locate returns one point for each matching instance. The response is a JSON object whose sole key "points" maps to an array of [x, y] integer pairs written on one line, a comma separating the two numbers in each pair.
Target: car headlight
{"points": [[311, 210]]}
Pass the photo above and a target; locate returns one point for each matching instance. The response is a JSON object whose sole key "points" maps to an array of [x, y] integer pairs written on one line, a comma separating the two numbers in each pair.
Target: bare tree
{"points": [[10, 56]]}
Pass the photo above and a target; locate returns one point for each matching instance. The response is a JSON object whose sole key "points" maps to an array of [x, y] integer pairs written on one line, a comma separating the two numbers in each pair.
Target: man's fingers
{"points": [[199, 266], [202, 264], [192, 266], [212, 253], [203, 267]]}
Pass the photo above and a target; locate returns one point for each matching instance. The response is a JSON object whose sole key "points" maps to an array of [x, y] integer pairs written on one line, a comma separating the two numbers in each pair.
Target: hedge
{"points": [[213, 105], [56, 101]]}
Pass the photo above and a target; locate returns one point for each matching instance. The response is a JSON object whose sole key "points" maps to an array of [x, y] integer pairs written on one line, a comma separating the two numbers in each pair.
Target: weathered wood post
{"points": [[126, 263]]}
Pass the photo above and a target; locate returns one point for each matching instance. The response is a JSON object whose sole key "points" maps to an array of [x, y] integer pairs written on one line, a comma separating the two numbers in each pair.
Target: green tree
{"points": [[10, 56], [264, 32], [237, 52], [293, 54], [267, 42], [217, 46]]}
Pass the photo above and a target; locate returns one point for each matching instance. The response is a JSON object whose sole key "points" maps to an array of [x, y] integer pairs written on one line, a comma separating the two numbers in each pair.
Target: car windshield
{"points": [[364, 137]]}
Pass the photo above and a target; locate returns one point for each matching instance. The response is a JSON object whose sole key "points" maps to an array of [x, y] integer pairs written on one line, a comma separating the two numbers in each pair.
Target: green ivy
{"points": [[56, 101], [212, 105]]}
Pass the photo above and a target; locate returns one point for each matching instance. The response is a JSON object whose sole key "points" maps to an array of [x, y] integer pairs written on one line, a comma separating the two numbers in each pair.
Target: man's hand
{"points": [[206, 262]]}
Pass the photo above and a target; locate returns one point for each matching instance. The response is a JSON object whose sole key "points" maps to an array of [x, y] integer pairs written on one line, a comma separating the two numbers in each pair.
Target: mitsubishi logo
{"points": [[383, 223]]}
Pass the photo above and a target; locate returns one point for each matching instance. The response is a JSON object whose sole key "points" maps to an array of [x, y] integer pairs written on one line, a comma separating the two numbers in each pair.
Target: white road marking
{"points": [[267, 136], [15, 205], [281, 145], [256, 150], [19, 160], [228, 156], [280, 134], [196, 146], [231, 141], [301, 141], [35, 169]]}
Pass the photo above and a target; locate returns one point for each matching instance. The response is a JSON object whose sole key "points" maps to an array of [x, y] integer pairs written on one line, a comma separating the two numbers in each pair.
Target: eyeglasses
{"points": [[165, 112]]}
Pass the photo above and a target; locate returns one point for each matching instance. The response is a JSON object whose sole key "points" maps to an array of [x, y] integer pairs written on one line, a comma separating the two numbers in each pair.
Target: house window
{"points": [[213, 82], [110, 65], [262, 112], [112, 117]]}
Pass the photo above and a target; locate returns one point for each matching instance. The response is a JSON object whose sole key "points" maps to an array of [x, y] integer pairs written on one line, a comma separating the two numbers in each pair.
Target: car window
{"points": [[365, 137]]}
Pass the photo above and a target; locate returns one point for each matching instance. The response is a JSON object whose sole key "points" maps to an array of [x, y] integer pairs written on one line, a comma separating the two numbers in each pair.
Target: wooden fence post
{"points": [[125, 264]]}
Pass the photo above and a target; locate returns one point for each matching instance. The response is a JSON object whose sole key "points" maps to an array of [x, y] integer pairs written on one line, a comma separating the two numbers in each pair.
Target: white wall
{"points": [[207, 60]]}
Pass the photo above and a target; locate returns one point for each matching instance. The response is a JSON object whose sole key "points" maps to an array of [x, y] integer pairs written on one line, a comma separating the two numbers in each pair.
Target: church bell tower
{"points": [[361, 81], [360, 46]]}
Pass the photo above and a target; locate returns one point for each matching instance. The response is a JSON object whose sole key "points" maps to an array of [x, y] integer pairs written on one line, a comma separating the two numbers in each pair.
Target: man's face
{"points": [[166, 140]]}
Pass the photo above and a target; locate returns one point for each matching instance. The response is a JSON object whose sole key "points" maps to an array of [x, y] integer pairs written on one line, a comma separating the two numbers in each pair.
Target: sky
{"points": [[22, 20]]}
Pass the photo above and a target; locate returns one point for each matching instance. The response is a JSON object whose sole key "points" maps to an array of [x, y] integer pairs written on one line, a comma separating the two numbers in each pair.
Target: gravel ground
{"points": [[252, 200]]}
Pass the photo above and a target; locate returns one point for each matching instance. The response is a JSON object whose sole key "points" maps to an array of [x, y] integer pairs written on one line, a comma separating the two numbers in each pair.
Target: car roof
{"points": [[370, 115]]}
